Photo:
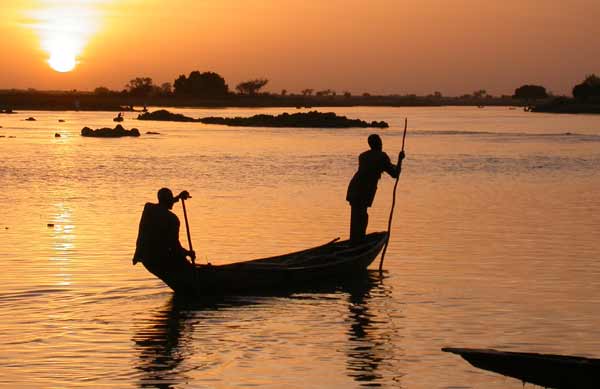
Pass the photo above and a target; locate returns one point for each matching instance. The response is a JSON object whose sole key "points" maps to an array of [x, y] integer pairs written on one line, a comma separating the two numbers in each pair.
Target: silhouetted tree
{"points": [[307, 92], [140, 86], [101, 91], [251, 87], [325, 93], [530, 92], [205, 85], [180, 85], [590, 87], [347, 94], [480, 93], [283, 92], [165, 88]]}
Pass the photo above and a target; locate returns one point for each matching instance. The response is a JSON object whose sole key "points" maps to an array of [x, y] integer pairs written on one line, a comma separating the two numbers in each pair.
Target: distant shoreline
{"points": [[17, 100], [86, 101], [567, 106]]}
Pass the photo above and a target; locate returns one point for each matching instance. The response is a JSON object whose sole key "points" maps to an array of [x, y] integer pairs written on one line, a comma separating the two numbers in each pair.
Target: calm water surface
{"points": [[496, 243]]}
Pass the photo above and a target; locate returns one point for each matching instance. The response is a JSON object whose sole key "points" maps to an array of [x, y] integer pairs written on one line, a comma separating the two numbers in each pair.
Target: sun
{"points": [[63, 50], [62, 61], [64, 30]]}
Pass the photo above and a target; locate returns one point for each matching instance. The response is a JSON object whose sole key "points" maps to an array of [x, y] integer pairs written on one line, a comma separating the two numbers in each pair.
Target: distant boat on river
{"points": [[546, 370]]}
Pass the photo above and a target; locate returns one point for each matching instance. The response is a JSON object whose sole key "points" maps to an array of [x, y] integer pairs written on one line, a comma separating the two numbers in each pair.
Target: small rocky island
{"points": [[166, 116], [312, 119], [116, 132]]}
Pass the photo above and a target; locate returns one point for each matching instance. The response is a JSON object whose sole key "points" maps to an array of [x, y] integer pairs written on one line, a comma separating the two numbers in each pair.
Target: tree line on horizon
{"points": [[211, 85], [197, 85], [205, 85], [588, 89]]}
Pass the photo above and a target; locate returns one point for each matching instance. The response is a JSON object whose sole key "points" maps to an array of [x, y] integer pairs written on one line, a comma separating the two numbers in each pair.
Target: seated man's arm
{"points": [[180, 250]]}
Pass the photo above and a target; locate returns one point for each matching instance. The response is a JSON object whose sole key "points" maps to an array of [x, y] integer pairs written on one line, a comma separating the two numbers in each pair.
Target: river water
{"points": [[495, 244]]}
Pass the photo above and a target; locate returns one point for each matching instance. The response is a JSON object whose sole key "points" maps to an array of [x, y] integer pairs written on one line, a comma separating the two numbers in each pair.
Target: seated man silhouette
{"points": [[363, 186], [158, 246]]}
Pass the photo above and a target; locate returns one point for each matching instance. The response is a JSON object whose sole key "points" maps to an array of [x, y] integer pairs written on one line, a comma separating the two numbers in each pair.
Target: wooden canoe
{"points": [[334, 260], [546, 370]]}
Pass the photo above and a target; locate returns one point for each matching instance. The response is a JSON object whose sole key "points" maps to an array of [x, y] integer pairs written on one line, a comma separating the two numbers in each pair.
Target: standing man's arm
{"points": [[401, 156], [394, 170]]}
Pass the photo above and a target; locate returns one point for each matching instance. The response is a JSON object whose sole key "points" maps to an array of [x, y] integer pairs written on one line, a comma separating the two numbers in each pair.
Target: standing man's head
{"points": [[165, 198], [375, 142]]}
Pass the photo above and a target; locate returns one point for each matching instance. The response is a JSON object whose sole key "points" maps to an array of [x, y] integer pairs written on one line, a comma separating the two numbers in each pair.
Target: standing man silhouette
{"points": [[363, 185]]}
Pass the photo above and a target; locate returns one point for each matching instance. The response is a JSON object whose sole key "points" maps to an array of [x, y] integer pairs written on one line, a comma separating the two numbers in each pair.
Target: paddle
{"points": [[387, 240], [187, 228]]}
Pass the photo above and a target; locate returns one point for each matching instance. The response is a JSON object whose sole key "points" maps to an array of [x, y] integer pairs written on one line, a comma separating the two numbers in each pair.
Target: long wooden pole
{"points": [[387, 240], [187, 229]]}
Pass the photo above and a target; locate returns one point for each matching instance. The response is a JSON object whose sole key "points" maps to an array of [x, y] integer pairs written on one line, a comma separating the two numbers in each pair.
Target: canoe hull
{"points": [[333, 261], [546, 370]]}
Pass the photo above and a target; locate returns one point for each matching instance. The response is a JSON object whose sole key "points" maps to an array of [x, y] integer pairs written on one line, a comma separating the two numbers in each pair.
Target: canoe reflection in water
{"points": [[220, 341], [162, 349], [369, 337]]}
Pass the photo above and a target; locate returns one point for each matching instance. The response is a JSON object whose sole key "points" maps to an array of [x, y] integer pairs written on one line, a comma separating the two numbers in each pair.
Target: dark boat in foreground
{"points": [[332, 261], [547, 370]]}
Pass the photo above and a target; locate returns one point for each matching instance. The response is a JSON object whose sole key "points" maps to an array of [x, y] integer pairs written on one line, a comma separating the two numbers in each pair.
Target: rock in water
{"points": [[116, 132]]}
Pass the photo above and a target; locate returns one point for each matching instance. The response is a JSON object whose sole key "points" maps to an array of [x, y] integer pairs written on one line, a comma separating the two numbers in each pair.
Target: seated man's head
{"points": [[375, 142], [165, 198]]}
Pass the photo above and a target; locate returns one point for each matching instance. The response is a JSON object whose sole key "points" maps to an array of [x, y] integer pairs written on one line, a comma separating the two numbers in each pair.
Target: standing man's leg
{"points": [[365, 222], [359, 218]]}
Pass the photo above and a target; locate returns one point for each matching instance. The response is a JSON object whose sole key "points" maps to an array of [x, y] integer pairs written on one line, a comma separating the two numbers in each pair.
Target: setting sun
{"points": [[63, 55], [64, 32]]}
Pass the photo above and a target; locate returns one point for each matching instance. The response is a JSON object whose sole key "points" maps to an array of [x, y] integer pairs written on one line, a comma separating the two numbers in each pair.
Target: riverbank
{"points": [[15, 100], [87, 101]]}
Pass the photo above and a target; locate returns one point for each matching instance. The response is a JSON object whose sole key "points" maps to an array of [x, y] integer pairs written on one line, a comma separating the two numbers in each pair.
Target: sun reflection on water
{"points": [[65, 28], [63, 245]]}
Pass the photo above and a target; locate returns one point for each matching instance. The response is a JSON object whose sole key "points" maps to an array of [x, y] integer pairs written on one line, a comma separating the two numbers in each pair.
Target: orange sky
{"points": [[376, 46]]}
